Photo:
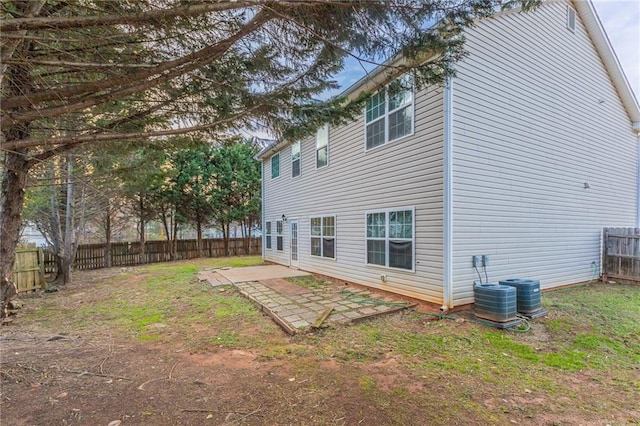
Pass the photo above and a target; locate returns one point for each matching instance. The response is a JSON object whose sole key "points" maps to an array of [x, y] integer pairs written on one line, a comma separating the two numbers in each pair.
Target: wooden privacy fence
{"points": [[28, 268], [94, 256], [621, 254]]}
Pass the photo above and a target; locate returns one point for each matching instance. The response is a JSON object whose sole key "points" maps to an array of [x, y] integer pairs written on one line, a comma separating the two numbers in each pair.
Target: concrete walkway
{"points": [[226, 276], [296, 308]]}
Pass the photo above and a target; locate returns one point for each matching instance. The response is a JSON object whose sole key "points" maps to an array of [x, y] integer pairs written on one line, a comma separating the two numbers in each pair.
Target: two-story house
{"points": [[523, 157]]}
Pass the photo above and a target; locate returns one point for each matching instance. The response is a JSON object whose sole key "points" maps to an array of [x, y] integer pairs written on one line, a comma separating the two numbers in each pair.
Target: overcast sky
{"points": [[621, 21]]}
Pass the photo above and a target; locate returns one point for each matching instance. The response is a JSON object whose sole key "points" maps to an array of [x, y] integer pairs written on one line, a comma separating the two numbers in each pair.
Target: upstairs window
{"points": [[391, 238], [571, 19], [322, 146], [295, 159], [267, 234], [275, 166], [279, 237], [323, 236], [389, 113]]}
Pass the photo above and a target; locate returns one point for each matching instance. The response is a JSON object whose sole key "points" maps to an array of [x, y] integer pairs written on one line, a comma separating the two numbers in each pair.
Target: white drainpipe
{"points": [[638, 181], [262, 194], [447, 291]]}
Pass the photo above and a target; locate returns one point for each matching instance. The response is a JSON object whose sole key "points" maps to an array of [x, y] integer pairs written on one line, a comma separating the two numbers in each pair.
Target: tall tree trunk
{"points": [[15, 165], [143, 224], [174, 239], [199, 237], [107, 235], [67, 243], [54, 217], [225, 235], [249, 227], [14, 179]]}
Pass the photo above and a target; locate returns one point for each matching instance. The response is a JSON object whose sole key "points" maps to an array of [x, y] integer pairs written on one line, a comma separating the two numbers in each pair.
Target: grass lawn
{"points": [[152, 345]]}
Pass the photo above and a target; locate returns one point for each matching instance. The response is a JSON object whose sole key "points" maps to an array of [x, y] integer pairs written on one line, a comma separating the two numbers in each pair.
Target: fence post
{"points": [[605, 240], [43, 281]]}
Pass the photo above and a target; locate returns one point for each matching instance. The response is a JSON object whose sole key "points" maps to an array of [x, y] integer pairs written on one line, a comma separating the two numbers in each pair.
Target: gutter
{"points": [[447, 273]]}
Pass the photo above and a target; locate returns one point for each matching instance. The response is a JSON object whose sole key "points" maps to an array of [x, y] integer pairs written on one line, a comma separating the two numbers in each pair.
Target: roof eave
{"points": [[612, 64]]}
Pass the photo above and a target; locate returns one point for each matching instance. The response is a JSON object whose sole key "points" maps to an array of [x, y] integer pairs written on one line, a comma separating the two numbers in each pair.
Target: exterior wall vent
{"points": [[571, 19]]}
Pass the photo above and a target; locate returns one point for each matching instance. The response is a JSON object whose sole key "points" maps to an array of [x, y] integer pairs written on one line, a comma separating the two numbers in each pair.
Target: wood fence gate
{"points": [[621, 254], [28, 268]]}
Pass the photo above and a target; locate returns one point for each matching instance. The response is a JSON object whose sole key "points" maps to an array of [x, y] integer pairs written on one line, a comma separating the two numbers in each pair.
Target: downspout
{"points": [[447, 275], [636, 127], [262, 196]]}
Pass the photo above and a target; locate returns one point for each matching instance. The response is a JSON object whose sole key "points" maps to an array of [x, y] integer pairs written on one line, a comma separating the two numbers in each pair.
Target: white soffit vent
{"points": [[571, 19]]}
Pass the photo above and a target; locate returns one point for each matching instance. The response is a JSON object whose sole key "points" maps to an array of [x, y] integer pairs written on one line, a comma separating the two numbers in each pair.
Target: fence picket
{"points": [[621, 254], [92, 256]]}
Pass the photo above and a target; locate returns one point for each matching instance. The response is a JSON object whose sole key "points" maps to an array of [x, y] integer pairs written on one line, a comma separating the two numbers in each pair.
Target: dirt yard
{"points": [[153, 346]]}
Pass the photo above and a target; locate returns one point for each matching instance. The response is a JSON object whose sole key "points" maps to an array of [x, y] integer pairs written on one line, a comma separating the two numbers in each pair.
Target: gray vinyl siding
{"points": [[535, 117], [404, 173]]}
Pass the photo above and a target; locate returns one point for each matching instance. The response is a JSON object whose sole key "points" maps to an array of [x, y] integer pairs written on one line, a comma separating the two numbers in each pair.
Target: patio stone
{"points": [[309, 316], [300, 324], [337, 317], [295, 308]]}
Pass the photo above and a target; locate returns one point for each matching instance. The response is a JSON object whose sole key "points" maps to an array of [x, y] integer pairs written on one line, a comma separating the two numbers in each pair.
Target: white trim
{"points": [[328, 149], [385, 117], [270, 234], [386, 238], [335, 236], [279, 234], [299, 159], [297, 261], [447, 255], [271, 166]]}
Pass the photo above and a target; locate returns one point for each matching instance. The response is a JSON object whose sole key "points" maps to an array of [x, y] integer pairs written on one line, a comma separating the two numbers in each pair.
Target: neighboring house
{"points": [[31, 234], [524, 157]]}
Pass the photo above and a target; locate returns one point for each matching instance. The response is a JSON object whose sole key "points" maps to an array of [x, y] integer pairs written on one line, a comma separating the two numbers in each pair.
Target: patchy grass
{"points": [[163, 301], [311, 282], [367, 384], [579, 365]]}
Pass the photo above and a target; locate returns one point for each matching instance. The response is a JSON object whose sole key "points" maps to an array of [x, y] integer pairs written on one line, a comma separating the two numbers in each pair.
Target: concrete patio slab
{"points": [[262, 272], [213, 278]]}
